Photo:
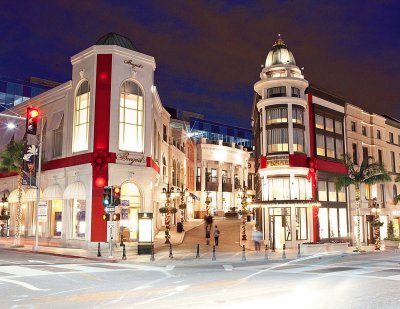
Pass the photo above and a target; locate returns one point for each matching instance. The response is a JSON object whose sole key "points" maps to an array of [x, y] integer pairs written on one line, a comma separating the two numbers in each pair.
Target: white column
{"points": [[264, 133], [290, 129], [232, 175], [219, 193]]}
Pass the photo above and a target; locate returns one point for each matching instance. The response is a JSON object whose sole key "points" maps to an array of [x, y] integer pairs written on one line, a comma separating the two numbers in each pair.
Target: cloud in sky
{"points": [[209, 53]]}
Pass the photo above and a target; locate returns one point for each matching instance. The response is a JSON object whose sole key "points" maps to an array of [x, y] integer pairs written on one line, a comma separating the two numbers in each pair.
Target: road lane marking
{"points": [[24, 284], [169, 267], [228, 267], [37, 261]]}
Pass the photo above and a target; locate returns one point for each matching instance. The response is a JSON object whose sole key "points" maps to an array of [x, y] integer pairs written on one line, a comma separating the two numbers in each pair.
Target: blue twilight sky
{"points": [[208, 53]]}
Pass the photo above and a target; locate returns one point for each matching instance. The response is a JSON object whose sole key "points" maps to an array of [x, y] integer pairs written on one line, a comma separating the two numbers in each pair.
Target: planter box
{"points": [[231, 215], [308, 249], [392, 244], [342, 247]]}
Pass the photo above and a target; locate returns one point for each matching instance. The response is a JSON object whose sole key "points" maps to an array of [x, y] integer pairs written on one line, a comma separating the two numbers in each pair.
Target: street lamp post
{"points": [[168, 195], [376, 224], [208, 202], [184, 193], [245, 199]]}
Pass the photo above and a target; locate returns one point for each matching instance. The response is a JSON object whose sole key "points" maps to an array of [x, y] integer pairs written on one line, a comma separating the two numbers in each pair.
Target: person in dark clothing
{"points": [[208, 236], [216, 235]]}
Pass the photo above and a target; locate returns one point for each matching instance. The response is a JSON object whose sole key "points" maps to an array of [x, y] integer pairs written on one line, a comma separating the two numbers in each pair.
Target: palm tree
{"points": [[11, 161], [368, 173]]}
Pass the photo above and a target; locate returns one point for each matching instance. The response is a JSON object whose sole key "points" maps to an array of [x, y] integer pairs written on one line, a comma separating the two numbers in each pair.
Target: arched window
{"points": [[164, 162], [81, 118], [394, 191], [174, 172], [131, 117]]}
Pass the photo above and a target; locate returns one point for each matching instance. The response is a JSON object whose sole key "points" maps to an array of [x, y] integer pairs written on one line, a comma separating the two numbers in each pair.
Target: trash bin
{"points": [[179, 227]]}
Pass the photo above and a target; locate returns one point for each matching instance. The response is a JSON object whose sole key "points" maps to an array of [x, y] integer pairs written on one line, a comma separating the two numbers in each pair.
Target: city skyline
{"points": [[217, 58]]}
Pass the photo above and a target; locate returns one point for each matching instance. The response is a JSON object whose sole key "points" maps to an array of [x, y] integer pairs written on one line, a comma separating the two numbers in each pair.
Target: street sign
{"points": [[124, 203], [42, 211], [110, 210]]}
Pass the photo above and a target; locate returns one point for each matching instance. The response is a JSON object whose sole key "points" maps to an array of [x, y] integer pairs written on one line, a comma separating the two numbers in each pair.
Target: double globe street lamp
{"points": [[244, 198], [168, 195]]}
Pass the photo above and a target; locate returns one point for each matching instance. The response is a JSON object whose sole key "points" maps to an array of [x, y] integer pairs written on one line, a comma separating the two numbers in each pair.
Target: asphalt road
{"points": [[338, 281]]}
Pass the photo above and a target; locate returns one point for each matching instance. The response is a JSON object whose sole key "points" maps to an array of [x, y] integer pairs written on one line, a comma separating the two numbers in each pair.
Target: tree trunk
{"points": [[358, 214], [17, 240]]}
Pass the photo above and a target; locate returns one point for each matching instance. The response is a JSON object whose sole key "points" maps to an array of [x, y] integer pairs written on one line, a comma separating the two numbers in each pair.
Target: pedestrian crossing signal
{"points": [[116, 217], [106, 217]]}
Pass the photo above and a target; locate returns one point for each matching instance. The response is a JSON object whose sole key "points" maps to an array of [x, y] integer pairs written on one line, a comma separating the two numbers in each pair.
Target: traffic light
{"points": [[107, 196], [32, 116], [116, 198], [116, 217], [106, 217]]}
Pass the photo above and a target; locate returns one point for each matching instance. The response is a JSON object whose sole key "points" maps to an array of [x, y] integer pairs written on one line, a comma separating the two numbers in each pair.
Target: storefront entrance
{"points": [[279, 227], [131, 200]]}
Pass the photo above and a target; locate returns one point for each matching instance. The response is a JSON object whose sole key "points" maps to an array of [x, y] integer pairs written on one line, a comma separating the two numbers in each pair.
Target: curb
{"points": [[113, 260]]}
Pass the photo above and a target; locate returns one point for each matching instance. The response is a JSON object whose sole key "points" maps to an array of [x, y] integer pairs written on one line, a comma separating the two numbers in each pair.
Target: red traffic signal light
{"points": [[116, 217], [116, 198], [106, 217], [32, 116]]}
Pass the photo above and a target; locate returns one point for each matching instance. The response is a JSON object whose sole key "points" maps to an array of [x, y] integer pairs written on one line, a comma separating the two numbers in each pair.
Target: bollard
{"points": [[98, 250], [198, 251], [266, 253], [121, 243], [214, 258], [244, 253], [283, 253], [170, 251], [152, 253], [298, 251], [123, 252]]}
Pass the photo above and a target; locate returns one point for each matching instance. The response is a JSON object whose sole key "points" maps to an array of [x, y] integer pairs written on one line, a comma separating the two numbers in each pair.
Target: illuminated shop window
{"points": [[319, 121], [81, 118], [320, 145], [298, 140], [301, 223], [79, 219], [329, 124], [297, 115], [131, 117], [277, 115], [322, 192], [277, 140]]}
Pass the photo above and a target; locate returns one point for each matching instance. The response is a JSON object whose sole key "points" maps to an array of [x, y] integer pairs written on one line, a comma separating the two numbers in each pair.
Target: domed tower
{"points": [[283, 142]]}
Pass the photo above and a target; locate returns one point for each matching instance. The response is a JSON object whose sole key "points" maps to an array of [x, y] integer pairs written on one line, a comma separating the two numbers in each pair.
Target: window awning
{"points": [[55, 121], [53, 192], [31, 195], [13, 197], [75, 190]]}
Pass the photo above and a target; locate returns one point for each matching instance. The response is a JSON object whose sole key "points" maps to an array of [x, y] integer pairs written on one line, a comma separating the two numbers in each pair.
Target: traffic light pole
{"points": [[111, 238], [36, 247]]}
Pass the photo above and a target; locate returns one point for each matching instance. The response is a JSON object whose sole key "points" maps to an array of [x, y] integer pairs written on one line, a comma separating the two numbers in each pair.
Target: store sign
{"points": [[127, 158], [42, 211], [278, 161]]}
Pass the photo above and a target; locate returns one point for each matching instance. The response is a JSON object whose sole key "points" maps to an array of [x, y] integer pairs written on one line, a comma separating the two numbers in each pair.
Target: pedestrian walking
{"points": [[257, 237], [208, 236], [216, 235]]}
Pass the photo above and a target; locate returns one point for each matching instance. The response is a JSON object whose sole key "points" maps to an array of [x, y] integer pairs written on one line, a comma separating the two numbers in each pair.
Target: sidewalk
{"points": [[185, 254], [131, 251]]}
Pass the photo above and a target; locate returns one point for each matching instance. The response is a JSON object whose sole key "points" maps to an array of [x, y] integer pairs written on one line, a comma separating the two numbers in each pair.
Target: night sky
{"points": [[209, 53]]}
